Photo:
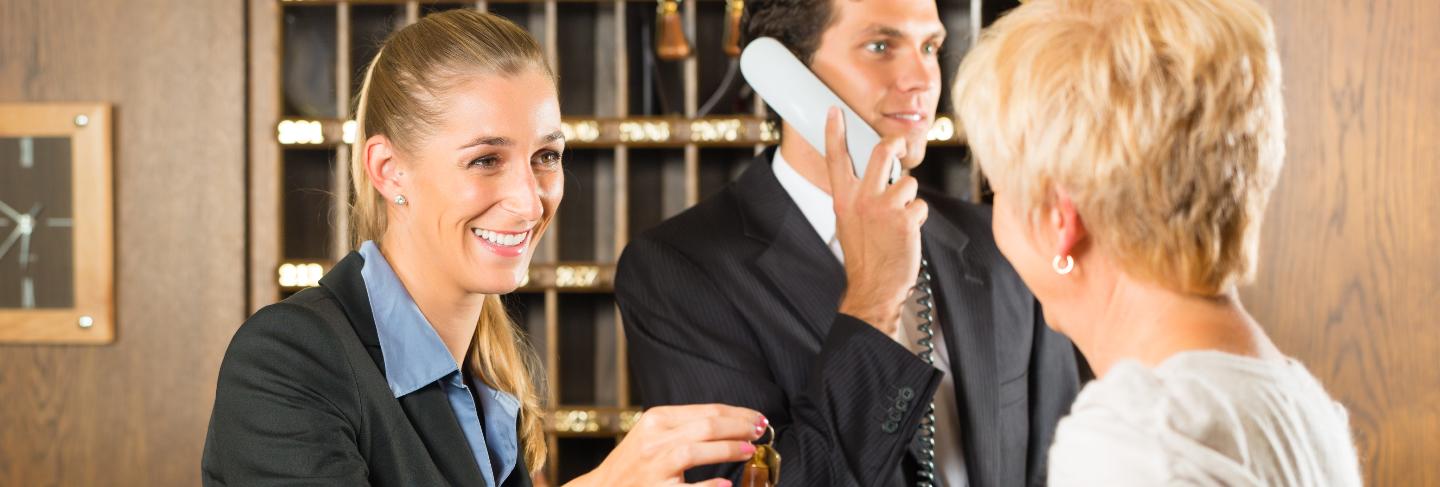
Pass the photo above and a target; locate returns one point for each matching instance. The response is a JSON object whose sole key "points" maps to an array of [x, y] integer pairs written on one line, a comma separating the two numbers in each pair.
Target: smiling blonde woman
{"points": [[402, 368], [1132, 145]]}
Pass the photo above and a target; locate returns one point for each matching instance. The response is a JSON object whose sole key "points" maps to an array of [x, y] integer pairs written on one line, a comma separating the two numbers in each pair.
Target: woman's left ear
{"points": [[1065, 221]]}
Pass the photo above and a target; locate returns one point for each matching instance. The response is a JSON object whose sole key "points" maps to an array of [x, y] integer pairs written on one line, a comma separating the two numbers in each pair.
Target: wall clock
{"points": [[56, 224]]}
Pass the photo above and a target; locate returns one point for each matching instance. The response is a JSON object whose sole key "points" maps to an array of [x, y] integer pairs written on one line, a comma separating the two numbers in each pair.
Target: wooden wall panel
{"points": [[1349, 281], [1350, 264], [264, 193], [135, 412]]}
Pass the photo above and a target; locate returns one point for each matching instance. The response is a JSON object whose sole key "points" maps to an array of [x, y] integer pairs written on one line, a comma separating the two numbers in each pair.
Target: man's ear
{"points": [[382, 167]]}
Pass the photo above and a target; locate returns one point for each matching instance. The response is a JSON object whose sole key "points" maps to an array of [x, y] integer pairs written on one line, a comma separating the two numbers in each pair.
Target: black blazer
{"points": [[302, 400], [735, 301]]}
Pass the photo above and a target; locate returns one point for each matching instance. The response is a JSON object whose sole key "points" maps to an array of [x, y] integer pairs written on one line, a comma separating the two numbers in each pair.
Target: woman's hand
{"points": [[669, 440]]}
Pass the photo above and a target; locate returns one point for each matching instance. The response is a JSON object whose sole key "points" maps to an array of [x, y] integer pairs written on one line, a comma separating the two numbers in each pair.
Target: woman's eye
{"points": [[485, 162], [878, 47], [930, 48], [548, 159]]}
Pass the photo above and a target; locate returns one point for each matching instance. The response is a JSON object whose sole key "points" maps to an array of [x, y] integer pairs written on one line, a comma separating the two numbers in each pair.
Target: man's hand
{"points": [[878, 227]]}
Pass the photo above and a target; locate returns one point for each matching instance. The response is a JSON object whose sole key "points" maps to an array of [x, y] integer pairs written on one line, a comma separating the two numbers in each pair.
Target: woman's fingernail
{"points": [[748, 448], [759, 431], [725, 483]]}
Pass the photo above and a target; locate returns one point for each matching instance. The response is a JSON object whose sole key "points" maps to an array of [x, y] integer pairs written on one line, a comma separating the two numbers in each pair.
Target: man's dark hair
{"points": [[797, 24]]}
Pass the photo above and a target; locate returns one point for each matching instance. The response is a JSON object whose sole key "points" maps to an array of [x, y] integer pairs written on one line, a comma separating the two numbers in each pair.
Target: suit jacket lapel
{"points": [[811, 280], [428, 409], [801, 268], [797, 264], [521, 476], [345, 283], [967, 322], [429, 412]]}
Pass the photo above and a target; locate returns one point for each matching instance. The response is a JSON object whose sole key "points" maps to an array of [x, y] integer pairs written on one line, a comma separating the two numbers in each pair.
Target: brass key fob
{"points": [[763, 469]]}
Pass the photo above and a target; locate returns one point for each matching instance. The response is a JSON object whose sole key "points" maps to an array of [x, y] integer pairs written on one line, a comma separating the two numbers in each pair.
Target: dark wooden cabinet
{"points": [[647, 139]]}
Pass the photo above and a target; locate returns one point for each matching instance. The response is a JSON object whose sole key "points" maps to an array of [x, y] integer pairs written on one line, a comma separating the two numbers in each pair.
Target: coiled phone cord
{"points": [[926, 434]]}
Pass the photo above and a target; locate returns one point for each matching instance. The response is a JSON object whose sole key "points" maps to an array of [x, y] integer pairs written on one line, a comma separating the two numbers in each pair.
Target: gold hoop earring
{"points": [[1069, 265]]}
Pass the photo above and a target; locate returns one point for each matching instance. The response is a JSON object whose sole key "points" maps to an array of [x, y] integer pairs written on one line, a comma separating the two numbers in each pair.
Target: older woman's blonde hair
{"points": [[403, 97], [1161, 119]]}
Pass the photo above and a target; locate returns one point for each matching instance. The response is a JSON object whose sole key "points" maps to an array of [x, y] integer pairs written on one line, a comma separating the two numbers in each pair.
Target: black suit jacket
{"points": [[302, 400], [736, 299]]}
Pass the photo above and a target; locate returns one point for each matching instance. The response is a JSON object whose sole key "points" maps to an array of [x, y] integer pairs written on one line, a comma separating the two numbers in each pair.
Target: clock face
{"points": [[36, 226]]}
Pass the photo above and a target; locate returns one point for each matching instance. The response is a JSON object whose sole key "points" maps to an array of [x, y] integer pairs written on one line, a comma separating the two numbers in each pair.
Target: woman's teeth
{"points": [[502, 239], [912, 117]]}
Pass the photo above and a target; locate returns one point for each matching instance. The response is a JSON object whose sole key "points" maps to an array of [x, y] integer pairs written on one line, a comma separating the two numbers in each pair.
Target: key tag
{"points": [[763, 469]]}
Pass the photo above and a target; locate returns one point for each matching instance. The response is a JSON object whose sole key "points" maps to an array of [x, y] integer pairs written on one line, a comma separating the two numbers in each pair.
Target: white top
{"points": [[817, 205], [1205, 418], [819, 208]]}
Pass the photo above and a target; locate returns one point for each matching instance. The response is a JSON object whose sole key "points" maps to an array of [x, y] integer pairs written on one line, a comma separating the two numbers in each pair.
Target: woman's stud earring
{"points": [[400, 200]]}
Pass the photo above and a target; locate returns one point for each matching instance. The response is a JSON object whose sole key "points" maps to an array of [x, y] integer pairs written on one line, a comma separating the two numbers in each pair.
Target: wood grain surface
{"points": [[1349, 278], [135, 412], [264, 193]]}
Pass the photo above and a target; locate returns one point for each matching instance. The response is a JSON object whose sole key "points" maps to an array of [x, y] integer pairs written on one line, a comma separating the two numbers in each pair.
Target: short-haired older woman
{"points": [[1132, 145]]}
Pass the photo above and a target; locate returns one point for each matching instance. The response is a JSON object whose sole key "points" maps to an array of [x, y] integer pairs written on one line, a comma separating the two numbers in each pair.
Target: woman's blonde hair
{"points": [[1160, 118], [402, 98]]}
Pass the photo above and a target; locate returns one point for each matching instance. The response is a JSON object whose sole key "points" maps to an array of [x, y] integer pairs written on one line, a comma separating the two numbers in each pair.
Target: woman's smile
{"points": [[503, 243]]}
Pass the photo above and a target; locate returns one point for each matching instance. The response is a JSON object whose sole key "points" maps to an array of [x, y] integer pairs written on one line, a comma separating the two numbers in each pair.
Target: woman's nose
{"points": [[522, 195]]}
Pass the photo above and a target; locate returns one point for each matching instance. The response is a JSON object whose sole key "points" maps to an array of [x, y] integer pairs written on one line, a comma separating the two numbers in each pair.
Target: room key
{"points": [[763, 469]]}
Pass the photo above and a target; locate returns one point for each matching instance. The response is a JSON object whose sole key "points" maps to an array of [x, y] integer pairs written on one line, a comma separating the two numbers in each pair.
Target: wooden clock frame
{"points": [[91, 320]]}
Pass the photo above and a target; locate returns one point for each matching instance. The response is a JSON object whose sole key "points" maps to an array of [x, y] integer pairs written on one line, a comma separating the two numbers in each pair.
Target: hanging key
{"points": [[763, 469]]}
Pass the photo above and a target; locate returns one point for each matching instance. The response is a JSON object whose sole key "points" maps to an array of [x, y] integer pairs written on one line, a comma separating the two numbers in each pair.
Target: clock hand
{"points": [[10, 212], [25, 252], [5, 247], [29, 229], [23, 226]]}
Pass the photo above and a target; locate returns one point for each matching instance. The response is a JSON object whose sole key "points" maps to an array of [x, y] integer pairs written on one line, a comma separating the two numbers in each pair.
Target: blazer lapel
{"points": [[346, 284], [429, 412], [798, 265], [801, 270], [811, 280], [428, 409], [521, 476], [967, 322]]}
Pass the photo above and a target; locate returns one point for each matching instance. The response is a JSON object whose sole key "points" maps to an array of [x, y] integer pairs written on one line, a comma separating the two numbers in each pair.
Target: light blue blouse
{"points": [[415, 357]]}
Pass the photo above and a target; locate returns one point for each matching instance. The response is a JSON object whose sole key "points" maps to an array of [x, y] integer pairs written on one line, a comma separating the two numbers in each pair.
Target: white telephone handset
{"points": [[803, 100]]}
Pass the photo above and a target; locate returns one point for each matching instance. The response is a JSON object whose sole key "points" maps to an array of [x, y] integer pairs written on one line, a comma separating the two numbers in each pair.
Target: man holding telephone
{"points": [[793, 291]]}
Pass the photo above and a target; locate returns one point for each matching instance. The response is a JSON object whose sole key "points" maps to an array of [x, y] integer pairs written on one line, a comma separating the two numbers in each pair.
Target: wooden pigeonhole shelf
{"points": [[640, 150]]}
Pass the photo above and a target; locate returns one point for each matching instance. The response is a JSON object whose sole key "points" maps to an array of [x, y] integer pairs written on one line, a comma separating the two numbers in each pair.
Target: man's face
{"points": [[882, 58]]}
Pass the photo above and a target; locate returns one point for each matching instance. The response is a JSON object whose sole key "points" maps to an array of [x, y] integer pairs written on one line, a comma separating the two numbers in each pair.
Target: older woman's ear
{"points": [[1066, 225]]}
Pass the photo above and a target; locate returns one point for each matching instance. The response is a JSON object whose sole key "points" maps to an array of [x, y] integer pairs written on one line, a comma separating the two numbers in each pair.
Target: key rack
{"points": [[640, 150]]}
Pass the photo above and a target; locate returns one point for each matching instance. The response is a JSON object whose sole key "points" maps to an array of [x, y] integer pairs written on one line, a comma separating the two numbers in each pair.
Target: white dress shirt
{"points": [[818, 207]]}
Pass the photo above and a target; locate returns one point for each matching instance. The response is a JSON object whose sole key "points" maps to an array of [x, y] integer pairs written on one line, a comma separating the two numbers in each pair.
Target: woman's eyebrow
{"points": [[488, 140], [505, 142]]}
